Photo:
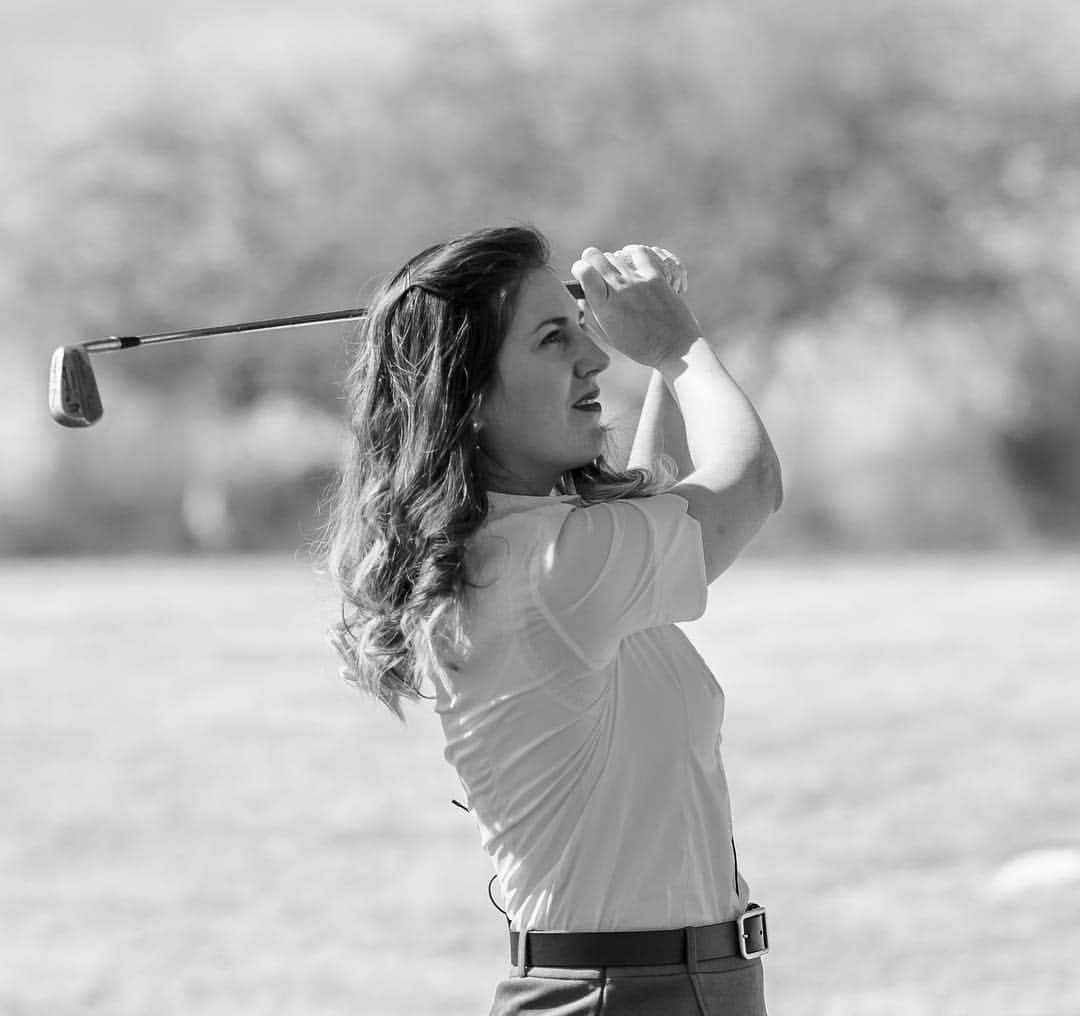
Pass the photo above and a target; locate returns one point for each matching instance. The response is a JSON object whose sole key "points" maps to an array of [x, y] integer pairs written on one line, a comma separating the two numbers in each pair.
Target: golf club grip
{"points": [[115, 342]]}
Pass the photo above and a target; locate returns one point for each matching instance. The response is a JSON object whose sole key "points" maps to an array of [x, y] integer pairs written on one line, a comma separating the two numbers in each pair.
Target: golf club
{"points": [[74, 400]]}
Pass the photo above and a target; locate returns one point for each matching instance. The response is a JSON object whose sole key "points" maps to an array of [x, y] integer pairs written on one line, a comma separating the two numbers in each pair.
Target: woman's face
{"points": [[531, 432]]}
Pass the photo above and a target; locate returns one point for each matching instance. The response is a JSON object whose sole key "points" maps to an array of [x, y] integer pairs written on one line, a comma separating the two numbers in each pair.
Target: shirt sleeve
{"points": [[619, 567]]}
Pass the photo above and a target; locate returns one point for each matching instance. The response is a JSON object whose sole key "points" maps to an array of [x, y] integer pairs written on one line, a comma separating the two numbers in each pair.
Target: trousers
{"points": [[729, 986]]}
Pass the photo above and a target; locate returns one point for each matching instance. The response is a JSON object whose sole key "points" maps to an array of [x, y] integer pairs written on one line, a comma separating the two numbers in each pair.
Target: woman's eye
{"points": [[552, 336]]}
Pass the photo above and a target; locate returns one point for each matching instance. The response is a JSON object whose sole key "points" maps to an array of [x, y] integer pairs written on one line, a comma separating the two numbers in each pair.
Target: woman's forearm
{"points": [[727, 441], [660, 430]]}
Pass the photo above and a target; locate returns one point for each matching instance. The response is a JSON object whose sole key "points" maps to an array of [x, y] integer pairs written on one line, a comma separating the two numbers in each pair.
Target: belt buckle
{"points": [[752, 912]]}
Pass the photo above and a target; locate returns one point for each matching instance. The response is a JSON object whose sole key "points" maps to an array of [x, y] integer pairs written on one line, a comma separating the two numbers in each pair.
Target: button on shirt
{"points": [[583, 724]]}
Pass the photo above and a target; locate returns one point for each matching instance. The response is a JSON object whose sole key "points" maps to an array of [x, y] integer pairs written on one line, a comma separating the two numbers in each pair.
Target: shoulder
{"points": [[627, 526], [535, 533], [528, 520], [516, 525]]}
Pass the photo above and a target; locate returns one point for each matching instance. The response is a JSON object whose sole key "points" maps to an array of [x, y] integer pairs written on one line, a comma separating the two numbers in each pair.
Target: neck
{"points": [[502, 482]]}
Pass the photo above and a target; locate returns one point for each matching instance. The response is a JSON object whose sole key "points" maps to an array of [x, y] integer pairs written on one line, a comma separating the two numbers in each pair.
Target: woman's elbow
{"points": [[763, 485], [750, 503], [773, 481], [764, 491]]}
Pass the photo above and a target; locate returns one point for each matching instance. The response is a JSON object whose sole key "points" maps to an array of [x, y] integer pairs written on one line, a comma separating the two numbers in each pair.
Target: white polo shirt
{"points": [[583, 724]]}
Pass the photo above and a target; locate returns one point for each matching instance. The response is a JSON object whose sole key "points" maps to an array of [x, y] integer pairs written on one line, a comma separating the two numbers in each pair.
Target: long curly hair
{"points": [[411, 490]]}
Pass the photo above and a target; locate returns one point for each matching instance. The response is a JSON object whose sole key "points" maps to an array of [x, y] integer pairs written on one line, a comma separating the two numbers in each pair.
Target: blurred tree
{"points": [[823, 169]]}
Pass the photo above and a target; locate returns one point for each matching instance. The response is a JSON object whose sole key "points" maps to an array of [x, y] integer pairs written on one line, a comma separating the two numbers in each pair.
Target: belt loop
{"points": [[523, 945], [691, 950], [692, 970]]}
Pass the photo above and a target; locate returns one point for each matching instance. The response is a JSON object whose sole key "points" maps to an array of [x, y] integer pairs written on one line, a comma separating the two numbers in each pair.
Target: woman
{"points": [[482, 541]]}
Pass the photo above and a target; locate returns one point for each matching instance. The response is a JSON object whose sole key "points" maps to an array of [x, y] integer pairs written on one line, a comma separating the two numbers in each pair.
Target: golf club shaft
{"points": [[114, 342], [129, 341]]}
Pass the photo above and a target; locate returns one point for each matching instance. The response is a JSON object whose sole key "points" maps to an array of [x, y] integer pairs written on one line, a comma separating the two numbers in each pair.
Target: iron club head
{"points": [[73, 393]]}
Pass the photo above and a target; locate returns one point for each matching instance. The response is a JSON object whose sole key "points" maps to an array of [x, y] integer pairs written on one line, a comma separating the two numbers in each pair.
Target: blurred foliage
{"points": [[879, 204]]}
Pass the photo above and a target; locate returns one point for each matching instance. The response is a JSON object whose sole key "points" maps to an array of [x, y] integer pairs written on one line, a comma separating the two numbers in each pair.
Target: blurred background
{"points": [[879, 205]]}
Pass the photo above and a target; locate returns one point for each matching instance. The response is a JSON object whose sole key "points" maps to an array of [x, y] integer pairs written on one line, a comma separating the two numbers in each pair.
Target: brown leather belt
{"points": [[747, 937]]}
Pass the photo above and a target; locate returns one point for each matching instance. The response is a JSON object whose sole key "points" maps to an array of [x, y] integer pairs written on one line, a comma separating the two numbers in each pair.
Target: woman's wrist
{"points": [[678, 360]]}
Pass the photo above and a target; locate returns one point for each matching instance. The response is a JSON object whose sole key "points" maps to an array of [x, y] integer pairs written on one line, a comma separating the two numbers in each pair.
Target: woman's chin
{"points": [[589, 457]]}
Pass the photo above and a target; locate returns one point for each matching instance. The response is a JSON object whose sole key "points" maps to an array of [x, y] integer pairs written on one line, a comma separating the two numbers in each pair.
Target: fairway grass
{"points": [[200, 817]]}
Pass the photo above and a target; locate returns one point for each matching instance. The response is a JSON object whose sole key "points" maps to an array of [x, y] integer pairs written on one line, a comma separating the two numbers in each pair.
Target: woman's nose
{"points": [[594, 360]]}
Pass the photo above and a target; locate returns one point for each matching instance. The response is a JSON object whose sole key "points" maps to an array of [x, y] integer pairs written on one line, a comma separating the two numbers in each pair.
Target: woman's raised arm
{"points": [[736, 482]]}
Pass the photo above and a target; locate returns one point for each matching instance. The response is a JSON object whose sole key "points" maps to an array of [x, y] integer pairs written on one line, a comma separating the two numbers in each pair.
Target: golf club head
{"points": [[73, 393]]}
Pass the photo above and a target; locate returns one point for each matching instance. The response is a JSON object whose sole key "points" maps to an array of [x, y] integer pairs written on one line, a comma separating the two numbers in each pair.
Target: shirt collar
{"points": [[501, 504]]}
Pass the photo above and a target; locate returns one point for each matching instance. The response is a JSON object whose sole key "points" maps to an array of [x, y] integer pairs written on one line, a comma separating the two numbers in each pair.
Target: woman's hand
{"points": [[634, 295], [674, 272]]}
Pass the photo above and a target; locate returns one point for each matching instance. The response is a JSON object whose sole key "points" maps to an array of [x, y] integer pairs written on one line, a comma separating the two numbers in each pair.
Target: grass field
{"points": [[200, 818]]}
